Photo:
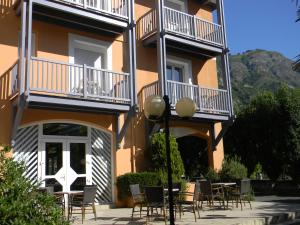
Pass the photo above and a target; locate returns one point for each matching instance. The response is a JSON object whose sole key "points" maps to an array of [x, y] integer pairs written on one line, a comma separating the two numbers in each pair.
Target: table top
{"points": [[224, 184], [174, 189], [68, 192]]}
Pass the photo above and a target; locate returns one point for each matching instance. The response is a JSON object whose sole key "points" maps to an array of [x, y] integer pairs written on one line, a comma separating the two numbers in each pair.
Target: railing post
{"points": [[200, 98], [84, 81], [29, 40], [84, 4], [22, 48], [195, 27]]}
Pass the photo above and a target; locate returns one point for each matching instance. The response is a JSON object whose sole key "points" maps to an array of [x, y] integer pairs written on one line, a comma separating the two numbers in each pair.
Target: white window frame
{"points": [[90, 44], [182, 3], [183, 63], [102, 47]]}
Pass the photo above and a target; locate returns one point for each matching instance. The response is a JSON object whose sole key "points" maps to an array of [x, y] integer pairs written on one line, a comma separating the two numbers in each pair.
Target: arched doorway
{"points": [[194, 155], [67, 156]]}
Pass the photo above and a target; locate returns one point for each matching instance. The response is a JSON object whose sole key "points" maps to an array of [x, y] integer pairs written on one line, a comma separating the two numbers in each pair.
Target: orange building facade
{"points": [[72, 106]]}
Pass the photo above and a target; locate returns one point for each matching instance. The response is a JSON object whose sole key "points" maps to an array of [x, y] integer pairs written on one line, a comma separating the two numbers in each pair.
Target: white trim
{"points": [[91, 44], [186, 64], [43, 138]]}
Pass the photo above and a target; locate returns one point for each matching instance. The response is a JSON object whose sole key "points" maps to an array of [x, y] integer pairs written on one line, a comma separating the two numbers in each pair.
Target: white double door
{"points": [[65, 164]]}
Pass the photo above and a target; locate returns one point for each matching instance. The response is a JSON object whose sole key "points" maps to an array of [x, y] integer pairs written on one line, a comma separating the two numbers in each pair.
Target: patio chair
{"points": [[59, 199], [184, 203], [155, 200], [211, 194], [242, 193], [138, 198], [84, 201]]}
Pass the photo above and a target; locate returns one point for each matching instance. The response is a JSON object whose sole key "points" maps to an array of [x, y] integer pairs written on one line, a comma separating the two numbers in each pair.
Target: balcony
{"points": [[109, 17], [211, 103], [194, 34], [77, 87]]}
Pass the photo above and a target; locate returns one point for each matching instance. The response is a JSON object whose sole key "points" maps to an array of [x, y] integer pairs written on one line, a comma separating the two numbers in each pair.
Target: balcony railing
{"points": [[182, 24], [208, 100], [115, 7], [78, 81]]}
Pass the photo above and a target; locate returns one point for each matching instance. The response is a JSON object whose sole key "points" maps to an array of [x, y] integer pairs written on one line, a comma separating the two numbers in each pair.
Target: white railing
{"points": [[188, 25], [15, 76], [208, 100], [116, 7], [147, 24], [182, 24], [72, 80]]}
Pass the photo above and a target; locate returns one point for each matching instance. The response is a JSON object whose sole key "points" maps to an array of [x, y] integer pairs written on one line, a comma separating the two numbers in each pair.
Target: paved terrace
{"points": [[265, 210]]}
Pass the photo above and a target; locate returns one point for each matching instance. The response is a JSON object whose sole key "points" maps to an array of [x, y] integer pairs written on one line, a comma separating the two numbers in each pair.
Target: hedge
{"points": [[143, 178]]}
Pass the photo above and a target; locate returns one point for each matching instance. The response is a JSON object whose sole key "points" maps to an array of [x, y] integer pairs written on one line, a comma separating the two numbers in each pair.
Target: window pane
{"points": [[77, 158], [169, 72], [54, 156], [64, 129], [177, 74], [78, 184]]}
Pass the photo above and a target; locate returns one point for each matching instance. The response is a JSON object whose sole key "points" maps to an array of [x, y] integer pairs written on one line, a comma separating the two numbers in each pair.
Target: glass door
{"points": [[64, 164]]}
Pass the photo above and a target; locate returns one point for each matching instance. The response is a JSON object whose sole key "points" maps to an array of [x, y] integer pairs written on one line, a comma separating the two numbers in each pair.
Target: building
{"points": [[72, 106]]}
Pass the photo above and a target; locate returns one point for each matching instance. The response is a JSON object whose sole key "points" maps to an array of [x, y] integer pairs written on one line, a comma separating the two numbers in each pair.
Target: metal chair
{"points": [[137, 197], [184, 201], [155, 200], [210, 194], [84, 201], [242, 193]]}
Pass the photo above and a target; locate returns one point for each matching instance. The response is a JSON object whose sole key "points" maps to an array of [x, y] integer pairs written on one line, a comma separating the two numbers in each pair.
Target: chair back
{"points": [[177, 186], [136, 192], [205, 187], [89, 194], [245, 186], [196, 196], [154, 194]]}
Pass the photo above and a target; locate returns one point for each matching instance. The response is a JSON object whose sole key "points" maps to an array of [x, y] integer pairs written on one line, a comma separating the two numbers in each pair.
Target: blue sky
{"points": [[263, 24]]}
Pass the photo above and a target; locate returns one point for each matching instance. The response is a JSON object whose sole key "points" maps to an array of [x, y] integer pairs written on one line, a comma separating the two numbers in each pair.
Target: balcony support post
{"points": [[84, 81], [161, 48], [29, 41], [132, 52], [22, 48], [225, 56]]}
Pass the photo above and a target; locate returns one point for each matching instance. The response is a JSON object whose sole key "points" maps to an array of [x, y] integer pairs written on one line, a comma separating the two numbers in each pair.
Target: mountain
{"points": [[257, 70]]}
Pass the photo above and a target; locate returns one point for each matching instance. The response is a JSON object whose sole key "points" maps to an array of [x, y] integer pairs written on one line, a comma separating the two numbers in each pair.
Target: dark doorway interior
{"points": [[193, 152]]}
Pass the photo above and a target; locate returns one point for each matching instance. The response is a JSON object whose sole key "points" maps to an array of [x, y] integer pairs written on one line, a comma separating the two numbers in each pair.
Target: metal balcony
{"points": [[64, 85], [188, 30], [108, 16], [211, 103]]}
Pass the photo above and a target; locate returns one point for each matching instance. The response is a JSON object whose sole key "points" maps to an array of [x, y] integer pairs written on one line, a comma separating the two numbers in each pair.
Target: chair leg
{"points": [[194, 211], [250, 205], [241, 203], [141, 207], [165, 216], [132, 212], [82, 214], [94, 210]]}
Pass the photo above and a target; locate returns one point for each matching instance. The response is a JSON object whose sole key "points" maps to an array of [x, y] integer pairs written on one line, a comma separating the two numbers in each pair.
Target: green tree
{"points": [[20, 202], [267, 131], [158, 156]]}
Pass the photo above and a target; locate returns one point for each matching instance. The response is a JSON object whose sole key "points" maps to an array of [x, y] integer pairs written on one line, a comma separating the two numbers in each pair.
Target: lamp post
{"points": [[156, 108]]}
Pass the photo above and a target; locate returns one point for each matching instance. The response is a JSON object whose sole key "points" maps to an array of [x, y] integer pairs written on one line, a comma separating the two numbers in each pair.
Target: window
{"points": [[64, 129], [179, 5], [179, 70], [175, 73]]}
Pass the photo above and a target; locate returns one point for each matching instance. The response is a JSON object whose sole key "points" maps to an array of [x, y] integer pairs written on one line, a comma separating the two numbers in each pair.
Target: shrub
{"points": [[20, 202], [144, 179], [158, 156], [212, 175], [233, 169]]}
